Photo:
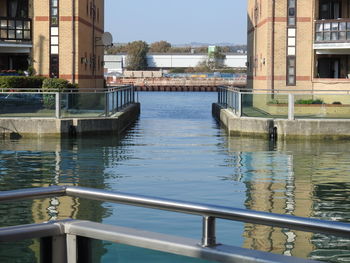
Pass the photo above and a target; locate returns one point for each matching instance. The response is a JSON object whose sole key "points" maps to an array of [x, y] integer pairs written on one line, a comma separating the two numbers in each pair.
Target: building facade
{"points": [[59, 38], [299, 44]]}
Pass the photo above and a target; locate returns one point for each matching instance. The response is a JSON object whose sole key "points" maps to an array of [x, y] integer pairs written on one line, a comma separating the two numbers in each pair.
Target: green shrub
{"points": [[177, 70], [337, 103], [274, 101], [55, 85], [20, 82], [310, 101]]}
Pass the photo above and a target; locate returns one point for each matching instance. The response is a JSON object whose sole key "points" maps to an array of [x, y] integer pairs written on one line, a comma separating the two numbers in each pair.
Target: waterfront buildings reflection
{"points": [[312, 183], [32, 163], [177, 151]]}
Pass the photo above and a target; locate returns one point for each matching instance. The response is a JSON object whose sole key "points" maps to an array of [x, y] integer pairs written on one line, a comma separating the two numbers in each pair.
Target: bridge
{"points": [[178, 84]]}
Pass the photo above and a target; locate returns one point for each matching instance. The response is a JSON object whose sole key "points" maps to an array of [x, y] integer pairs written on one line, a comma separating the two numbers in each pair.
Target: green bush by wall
{"points": [[8, 83], [55, 85]]}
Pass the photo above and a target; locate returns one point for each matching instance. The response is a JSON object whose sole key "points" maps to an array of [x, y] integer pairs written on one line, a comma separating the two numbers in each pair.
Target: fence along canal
{"points": [[302, 178]]}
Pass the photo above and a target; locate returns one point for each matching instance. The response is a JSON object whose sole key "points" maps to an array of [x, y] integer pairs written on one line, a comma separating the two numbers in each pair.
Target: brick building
{"points": [[299, 44], [60, 38]]}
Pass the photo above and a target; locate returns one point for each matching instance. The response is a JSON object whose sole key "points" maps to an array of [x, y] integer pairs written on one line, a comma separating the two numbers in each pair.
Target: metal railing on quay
{"points": [[286, 104], [209, 248], [67, 103]]}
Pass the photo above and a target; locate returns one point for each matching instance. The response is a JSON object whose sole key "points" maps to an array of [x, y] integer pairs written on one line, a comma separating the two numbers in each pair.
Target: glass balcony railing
{"points": [[332, 31], [15, 29]]}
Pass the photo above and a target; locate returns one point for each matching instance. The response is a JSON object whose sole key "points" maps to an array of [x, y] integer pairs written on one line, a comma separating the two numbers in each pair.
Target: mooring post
{"points": [[208, 235]]}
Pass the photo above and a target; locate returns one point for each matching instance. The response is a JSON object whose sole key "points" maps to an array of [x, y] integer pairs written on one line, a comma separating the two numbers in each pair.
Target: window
{"points": [[291, 72], [54, 13], [54, 66], [17, 8], [291, 12], [54, 38], [291, 43]]}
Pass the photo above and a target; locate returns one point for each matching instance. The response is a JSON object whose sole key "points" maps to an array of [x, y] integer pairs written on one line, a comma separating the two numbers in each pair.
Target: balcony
{"points": [[15, 29]]}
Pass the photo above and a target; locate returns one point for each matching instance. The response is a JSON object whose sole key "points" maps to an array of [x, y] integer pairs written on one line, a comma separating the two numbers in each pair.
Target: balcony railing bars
{"points": [[332, 31], [208, 249], [15, 29]]}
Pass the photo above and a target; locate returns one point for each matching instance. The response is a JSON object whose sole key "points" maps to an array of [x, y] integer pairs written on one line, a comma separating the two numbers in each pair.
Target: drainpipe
{"points": [[73, 41], [93, 43], [273, 46]]}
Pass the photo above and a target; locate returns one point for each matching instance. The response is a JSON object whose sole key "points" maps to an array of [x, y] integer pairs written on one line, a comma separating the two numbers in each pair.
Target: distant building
{"points": [[60, 38], [298, 44], [116, 63]]}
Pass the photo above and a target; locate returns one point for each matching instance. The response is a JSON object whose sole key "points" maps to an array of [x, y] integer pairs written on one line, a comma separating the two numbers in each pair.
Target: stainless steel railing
{"points": [[208, 212]]}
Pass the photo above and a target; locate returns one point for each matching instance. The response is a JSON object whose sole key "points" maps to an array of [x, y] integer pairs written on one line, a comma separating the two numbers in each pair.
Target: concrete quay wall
{"points": [[70, 127], [282, 128]]}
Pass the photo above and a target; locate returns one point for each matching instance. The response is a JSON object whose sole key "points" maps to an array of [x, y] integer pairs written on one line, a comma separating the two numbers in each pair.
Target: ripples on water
{"points": [[176, 150]]}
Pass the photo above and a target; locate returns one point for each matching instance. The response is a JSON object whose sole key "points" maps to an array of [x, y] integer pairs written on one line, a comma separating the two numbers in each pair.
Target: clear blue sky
{"points": [[177, 21]]}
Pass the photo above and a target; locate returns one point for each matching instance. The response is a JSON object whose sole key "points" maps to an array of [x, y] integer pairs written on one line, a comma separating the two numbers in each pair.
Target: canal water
{"points": [[177, 150]]}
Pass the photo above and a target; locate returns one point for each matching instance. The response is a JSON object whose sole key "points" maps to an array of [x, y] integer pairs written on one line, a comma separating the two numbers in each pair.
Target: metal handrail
{"points": [[269, 91], [64, 237], [208, 249], [205, 210], [79, 91]]}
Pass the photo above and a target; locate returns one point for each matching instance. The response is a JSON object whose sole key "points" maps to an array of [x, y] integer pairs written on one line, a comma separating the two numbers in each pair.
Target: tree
{"points": [[216, 59], [160, 47], [137, 55], [116, 49]]}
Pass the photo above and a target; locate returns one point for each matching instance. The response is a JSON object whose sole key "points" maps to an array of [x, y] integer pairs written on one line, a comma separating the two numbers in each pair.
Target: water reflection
{"points": [[178, 151], [301, 178], [31, 163]]}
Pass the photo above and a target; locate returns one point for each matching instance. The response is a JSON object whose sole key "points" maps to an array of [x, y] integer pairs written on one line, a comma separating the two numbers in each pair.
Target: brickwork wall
{"points": [[84, 46], [41, 37], [260, 55]]}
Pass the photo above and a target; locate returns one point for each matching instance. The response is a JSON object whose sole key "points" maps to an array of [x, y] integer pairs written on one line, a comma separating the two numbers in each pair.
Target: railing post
{"points": [[106, 104], [58, 105], [208, 234], [71, 248], [132, 94], [290, 106], [218, 89], [239, 110], [113, 102]]}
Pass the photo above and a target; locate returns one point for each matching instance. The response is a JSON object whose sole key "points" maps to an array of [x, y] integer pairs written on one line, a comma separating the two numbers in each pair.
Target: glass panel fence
{"points": [[265, 105], [27, 105], [83, 105], [322, 106], [232, 98], [119, 99]]}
